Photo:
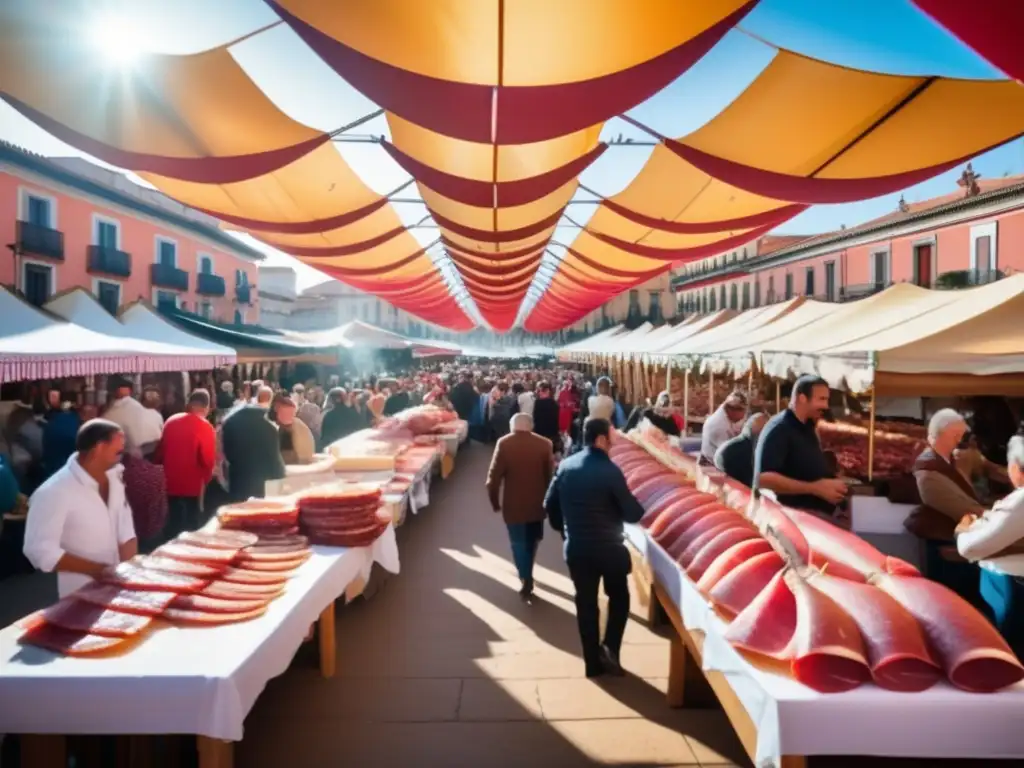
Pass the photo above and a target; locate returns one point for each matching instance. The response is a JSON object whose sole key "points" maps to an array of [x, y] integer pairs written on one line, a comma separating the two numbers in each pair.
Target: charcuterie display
{"points": [[803, 595], [896, 447], [343, 515], [199, 579]]}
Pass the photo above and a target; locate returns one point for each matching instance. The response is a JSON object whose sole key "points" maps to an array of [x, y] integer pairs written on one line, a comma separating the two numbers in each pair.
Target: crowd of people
{"points": [[551, 429]]}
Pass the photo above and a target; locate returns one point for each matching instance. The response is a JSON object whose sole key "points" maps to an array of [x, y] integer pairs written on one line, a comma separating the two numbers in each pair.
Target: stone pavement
{"points": [[446, 667]]}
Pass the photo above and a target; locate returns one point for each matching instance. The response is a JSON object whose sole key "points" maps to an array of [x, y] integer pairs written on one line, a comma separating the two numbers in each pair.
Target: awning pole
{"points": [[778, 395], [686, 399], [871, 438], [711, 392]]}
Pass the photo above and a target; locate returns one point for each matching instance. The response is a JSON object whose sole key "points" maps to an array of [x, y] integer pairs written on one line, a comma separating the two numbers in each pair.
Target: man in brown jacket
{"points": [[522, 462]]}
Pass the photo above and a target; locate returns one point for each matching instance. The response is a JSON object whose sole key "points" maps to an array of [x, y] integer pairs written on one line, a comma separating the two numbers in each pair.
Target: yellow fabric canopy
{"points": [[807, 117], [498, 219], [541, 42], [316, 187], [163, 105], [474, 160]]}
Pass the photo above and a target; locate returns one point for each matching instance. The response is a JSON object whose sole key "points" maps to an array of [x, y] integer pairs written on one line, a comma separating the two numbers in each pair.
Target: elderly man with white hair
{"points": [[941, 485], [947, 497], [995, 540], [517, 480]]}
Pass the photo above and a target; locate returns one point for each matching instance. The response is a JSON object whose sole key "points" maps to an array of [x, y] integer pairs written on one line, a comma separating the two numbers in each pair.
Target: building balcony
{"points": [[243, 292], [861, 290], [167, 276], [36, 240], [108, 261], [967, 278], [210, 285]]}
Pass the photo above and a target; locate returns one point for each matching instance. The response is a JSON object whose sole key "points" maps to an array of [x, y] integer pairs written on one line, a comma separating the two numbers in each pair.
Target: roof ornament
{"points": [[903, 206], [969, 181]]}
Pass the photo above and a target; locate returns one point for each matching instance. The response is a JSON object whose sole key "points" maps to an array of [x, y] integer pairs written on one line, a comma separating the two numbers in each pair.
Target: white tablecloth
{"points": [[200, 680], [792, 719]]}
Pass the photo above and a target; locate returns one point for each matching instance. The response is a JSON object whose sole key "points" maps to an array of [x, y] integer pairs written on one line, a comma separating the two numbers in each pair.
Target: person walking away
{"points": [[736, 456], [545, 416], [602, 405], [568, 406], [398, 401], [464, 397], [995, 541], [722, 426], [516, 483], [142, 426], [588, 502], [226, 396], [79, 521], [188, 451], [501, 410], [527, 400], [789, 460], [251, 451]]}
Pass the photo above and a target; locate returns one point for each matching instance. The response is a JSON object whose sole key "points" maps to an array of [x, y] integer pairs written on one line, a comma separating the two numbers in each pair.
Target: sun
{"points": [[117, 40]]}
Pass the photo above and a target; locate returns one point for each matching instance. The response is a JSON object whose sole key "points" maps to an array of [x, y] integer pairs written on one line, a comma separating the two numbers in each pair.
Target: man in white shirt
{"points": [[142, 426], [723, 425], [79, 521], [989, 539]]}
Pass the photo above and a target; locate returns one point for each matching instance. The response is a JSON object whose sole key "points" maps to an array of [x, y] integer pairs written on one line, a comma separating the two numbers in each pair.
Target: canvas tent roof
{"points": [[159, 345], [587, 345], [735, 353], [735, 328], [911, 341], [35, 345], [660, 350]]}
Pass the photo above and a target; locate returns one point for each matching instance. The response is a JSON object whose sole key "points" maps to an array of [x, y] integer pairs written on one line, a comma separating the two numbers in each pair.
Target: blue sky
{"points": [[882, 35]]}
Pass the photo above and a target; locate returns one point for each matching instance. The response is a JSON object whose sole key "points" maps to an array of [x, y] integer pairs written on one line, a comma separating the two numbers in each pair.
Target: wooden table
{"points": [[50, 750]]}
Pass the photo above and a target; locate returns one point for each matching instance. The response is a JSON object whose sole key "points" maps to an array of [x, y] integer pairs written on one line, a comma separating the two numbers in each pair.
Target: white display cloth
{"points": [[201, 680], [792, 719]]}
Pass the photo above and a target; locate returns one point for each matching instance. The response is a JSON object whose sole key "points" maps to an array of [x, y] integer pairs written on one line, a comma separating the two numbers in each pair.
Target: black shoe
{"points": [[610, 662], [598, 671], [526, 593]]}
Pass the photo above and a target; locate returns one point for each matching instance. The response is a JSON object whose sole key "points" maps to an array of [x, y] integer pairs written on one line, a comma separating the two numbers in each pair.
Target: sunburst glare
{"points": [[117, 40]]}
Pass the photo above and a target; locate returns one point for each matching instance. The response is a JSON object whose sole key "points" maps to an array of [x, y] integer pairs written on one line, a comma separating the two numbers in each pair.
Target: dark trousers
{"points": [[1004, 596], [587, 570], [183, 514], [525, 538]]}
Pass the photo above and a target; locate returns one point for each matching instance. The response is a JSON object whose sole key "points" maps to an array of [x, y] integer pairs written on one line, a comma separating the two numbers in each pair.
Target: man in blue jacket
{"points": [[587, 502]]}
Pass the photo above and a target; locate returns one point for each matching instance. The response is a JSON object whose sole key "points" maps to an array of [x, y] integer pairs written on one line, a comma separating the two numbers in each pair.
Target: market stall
{"points": [[178, 676], [162, 348], [806, 664], [35, 345]]}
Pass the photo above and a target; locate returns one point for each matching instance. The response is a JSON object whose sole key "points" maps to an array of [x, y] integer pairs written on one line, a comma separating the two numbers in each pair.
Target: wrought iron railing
{"points": [[37, 240], [168, 276], [210, 285], [108, 261]]}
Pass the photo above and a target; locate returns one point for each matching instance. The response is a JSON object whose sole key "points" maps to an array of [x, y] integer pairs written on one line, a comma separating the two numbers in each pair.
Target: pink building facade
{"points": [[966, 238], [67, 223]]}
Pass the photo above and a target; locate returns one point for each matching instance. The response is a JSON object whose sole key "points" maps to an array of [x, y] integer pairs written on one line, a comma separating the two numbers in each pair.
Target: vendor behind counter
{"points": [[789, 460]]}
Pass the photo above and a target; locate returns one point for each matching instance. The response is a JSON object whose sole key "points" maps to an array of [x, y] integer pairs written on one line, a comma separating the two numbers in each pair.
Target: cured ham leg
{"points": [[684, 502], [973, 654], [683, 522], [844, 550], [827, 651], [895, 645], [702, 526], [710, 551], [736, 590], [791, 622], [767, 624], [731, 559]]}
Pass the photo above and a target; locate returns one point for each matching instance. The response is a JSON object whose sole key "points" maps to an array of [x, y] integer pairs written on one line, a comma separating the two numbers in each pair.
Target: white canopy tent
{"points": [[912, 341], [35, 345], [660, 351], [156, 353], [588, 345], [142, 321]]}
